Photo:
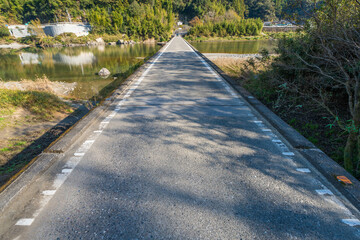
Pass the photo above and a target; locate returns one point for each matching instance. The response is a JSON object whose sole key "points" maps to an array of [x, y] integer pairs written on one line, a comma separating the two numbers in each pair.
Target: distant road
{"points": [[183, 156]]}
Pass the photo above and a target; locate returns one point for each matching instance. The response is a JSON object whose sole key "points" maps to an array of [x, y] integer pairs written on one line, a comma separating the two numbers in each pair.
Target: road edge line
{"points": [[323, 163], [76, 130]]}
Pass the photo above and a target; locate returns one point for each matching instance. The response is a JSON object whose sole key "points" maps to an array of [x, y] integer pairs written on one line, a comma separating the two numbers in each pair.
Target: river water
{"points": [[74, 68]]}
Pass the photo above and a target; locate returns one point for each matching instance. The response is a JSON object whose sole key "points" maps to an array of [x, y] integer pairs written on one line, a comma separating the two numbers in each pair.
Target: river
{"points": [[74, 67]]}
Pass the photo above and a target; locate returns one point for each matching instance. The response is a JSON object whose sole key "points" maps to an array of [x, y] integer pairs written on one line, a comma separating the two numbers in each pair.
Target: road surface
{"points": [[182, 157]]}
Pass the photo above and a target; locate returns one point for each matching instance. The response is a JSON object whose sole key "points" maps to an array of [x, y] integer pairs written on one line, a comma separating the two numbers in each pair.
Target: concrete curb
{"points": [[323, 163], [45, 160], [40, 164]]}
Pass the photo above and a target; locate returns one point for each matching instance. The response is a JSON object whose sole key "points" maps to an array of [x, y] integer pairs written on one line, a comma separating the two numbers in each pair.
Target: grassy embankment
{"points": [[65, 39], [262, 36], [24, 116], [27, 116], [298, 111]]}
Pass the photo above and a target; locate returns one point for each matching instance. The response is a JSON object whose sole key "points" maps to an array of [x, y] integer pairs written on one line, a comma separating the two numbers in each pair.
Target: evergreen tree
{"points": [[240, 7]]}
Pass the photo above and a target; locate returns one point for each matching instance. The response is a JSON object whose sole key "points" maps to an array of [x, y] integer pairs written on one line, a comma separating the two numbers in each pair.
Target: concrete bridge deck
{"points": [[181, 157]]}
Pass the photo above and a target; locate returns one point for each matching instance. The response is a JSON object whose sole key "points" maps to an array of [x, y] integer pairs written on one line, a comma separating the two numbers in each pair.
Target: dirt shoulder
{"points": [[29, 122]]}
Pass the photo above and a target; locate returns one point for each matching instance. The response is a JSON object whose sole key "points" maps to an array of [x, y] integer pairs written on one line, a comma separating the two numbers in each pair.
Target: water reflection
{"points": [[82, 59], [73, 65], [29, 58]]}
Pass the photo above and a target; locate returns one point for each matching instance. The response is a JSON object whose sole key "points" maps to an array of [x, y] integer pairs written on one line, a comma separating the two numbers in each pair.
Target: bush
{"points": [[4, 31], [248, 27], [323, 64]]}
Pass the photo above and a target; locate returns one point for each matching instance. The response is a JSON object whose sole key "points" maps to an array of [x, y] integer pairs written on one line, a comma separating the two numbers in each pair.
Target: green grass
{"points": [[20, 143], [263, 36], [5, 149], [42, 105]]}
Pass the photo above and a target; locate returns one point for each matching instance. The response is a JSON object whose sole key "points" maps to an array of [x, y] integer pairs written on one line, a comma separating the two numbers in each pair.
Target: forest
{"points": [[142, 18]]}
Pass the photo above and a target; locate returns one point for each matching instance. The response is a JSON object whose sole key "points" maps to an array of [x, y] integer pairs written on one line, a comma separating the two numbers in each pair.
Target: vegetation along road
{"points": [[180, 156]]}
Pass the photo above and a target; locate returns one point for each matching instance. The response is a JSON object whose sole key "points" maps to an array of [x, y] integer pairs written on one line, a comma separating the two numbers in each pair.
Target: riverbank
{"points": [[25, 116], [71, 40], [300, 113], [34, 113], [262, 36]]}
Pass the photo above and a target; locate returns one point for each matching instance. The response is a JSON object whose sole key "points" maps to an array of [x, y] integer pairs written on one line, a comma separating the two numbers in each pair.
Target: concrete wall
{"points": [[79, 29], [19, 31]]}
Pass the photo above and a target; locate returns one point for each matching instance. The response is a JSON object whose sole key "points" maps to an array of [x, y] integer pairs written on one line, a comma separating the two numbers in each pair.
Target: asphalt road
{"points": [[184, 157]]}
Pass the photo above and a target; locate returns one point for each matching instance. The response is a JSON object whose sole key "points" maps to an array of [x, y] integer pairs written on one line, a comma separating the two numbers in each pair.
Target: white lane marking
{"points": [[303, 170], [106, 120], [334, 200], [48, 192], [255, 121], [122, 102], [351, 222], [288, 153], [102, 125], [25, 222], [285, 150], [112, 114], [72, 162], [59, 180], [66, 170], [225, 84], [324, 192], [79, 154]]}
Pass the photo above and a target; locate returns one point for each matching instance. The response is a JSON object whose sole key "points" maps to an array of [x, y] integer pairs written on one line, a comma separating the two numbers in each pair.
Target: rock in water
{"points": [[104, 72]]}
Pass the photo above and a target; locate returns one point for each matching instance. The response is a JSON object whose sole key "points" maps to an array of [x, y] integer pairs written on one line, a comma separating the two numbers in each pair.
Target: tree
{"points": [[240, 7], [324, 64], [195, 22], [263, 9]]}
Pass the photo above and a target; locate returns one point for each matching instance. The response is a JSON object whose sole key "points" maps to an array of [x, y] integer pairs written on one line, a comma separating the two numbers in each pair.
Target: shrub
{"points": [[4, 31]]}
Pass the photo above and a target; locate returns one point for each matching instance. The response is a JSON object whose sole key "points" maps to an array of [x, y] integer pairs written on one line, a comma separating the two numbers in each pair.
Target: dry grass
{"points": [[232, 66], [241, 68], [40, 84]]}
